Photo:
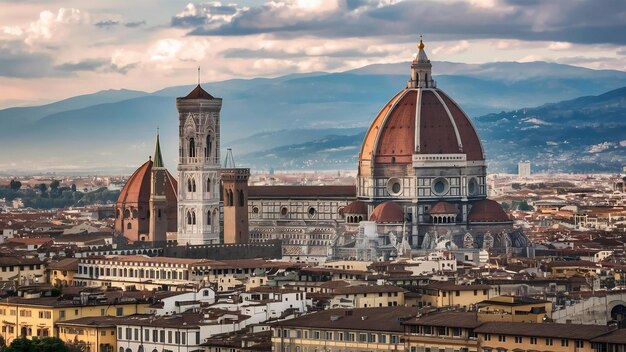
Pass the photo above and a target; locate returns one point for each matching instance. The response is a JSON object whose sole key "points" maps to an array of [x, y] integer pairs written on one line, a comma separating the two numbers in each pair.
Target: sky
{"points": [[50, 50]]}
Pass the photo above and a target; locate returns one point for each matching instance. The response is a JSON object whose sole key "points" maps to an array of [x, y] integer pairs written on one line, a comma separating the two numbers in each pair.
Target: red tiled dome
{"points": [[387, 212], [356, 207], [137, 188], [443, 128], [443, 208], [487, 210]]}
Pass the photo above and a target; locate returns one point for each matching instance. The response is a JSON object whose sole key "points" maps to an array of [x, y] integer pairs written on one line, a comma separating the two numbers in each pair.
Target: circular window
{"points": [[255, 210], [394, 187], [312, 212], [440, 186], [283, 211], [472, 187]]}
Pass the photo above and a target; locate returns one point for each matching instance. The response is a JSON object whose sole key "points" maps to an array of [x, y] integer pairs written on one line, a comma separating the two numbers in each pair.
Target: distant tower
{"points": [[158, 199], [235, 185], [198, 168], [523, 169]]}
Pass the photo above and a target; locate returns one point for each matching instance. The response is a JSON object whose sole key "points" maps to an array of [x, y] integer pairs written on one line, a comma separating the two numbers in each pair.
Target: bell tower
{"points": [[235, 185], [158, 197], [198, 168]]}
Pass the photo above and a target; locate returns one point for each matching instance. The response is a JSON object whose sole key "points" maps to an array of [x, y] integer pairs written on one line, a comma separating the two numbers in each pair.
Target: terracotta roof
{"points": [[450, 286], [64, 264], [443, 208], [443, 129], [378, 319], [367, 289], [356, 207], [614, 337], [137, 188], [450, 319], [198, 93], [387, 212], [30, 240], [568, 331], [347, 191], [487, 210]]}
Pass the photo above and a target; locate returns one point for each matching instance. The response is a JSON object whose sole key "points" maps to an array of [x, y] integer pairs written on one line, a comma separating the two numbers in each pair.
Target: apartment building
{"points": [[448, 294], [90, 334], [22, 270], [364, 296]]}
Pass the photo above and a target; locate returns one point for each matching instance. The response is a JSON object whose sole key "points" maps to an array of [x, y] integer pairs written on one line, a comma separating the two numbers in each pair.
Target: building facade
{"points": [[198, 168]]}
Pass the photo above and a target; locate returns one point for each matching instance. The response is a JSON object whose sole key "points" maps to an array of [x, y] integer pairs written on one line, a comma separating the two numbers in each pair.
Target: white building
{"points": [[523, 169]]}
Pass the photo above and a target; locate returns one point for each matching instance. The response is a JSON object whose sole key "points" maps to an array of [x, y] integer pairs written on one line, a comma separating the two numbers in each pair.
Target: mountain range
{"points": [[317, 120]]}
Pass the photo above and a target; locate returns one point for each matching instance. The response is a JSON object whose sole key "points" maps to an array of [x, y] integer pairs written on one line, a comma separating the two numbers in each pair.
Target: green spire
{"points": [[158, 159]]}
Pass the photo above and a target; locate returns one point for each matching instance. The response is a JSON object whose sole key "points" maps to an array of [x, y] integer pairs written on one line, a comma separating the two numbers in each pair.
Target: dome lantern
{"points": [[421, 70]]}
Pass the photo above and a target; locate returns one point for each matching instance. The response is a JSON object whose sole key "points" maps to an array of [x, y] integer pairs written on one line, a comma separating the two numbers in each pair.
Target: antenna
{"points": [[198, 75]]}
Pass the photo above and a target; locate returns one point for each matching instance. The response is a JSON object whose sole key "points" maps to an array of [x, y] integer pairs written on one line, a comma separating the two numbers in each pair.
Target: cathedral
{"points": [[421, 185]]}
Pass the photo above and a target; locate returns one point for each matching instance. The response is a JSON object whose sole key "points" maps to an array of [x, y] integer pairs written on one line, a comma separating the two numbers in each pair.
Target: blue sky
{"points": [[54, 49]]}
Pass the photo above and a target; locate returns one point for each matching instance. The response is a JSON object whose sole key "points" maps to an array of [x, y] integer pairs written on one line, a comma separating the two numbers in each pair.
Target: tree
{"points": [[73, 187], [42, 187], [54, 184], [15, 185], [50, 344], [21, 344], [524, 206]]}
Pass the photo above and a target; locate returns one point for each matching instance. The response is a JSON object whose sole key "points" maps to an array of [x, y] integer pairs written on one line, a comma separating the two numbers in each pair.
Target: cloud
{"points": [[101, 65], [15, 62], [106, 24], [135, 24], [558, 21]]}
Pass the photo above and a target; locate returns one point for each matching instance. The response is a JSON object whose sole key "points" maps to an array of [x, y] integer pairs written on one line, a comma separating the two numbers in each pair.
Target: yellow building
{"points": [[22, 270], [36, 316], [94, 334], [360, 329], [462, 331], [445, 294], [61, 272], [568, 269], [515, 309], [367, 296], [449, 331], [539, 337]]}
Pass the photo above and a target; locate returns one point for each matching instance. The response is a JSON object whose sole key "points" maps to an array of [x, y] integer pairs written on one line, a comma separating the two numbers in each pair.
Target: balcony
{"points": [[198, 160]]}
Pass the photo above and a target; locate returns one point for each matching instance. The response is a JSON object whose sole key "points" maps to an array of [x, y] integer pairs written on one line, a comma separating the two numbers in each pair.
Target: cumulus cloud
{"points": [[560, 21]]}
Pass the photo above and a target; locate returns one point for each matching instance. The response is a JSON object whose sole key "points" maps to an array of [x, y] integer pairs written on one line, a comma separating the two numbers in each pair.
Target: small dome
{"points": [[487, 210], [356, 207], [443, 208], [387, 212], [137, 188]]}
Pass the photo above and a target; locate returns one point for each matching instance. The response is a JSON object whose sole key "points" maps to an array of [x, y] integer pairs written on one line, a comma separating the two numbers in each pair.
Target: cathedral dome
{"points": [[487, 210], [137, 188], [387, 212], [357, 207], [420, 119], [443, 208]]}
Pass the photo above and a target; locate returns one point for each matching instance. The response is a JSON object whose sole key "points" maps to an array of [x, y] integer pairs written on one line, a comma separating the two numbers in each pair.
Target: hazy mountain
{"points": [[586, 134], [114, 130]]}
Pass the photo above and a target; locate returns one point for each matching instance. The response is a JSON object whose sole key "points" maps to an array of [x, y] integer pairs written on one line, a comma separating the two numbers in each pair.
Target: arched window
{"points": [[209, 145], [126, 214], [192, 148], [208, 217], [188, 218], [129, 226], [208, 185], [193, 217], [241, 199], [193, 185], [230, 198], [159, 213], [188, 185], [117, 214]]}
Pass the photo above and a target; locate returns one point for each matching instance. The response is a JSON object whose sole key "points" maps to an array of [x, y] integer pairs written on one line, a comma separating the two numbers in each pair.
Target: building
{"points": [[523, 169], [449, 294], [361, 329], [33, 315], [91, 334], [61, 272], [198, 168], [367, 296], [22, 270], [146, 206], [515, 309]]}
